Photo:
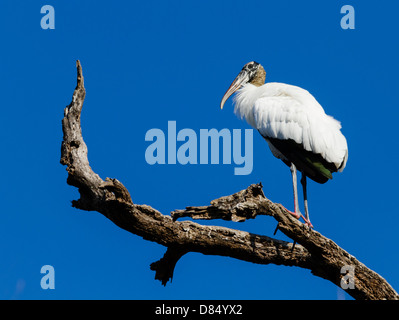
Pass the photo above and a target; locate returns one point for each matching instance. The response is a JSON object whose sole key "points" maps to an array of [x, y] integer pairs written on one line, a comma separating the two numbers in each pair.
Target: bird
{"points": [[294, 125]]}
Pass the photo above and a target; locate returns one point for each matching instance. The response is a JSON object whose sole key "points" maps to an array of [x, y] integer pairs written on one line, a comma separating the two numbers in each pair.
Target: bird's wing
{"points": [[292, 113]]}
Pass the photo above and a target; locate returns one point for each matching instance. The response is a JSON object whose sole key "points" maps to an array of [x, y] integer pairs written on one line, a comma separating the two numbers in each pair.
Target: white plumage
{"points": [[284, 112], [294, 124]]}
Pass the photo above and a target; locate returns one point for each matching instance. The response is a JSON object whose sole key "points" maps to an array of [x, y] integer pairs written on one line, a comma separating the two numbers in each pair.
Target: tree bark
{"points": [[312, 251]]}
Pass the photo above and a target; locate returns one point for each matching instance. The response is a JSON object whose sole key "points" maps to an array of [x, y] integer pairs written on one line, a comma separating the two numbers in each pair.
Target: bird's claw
{"points": [[308, 223], [298, 216]]}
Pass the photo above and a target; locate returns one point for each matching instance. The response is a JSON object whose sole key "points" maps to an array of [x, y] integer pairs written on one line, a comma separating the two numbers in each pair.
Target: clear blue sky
{"points": [[149, 62]]}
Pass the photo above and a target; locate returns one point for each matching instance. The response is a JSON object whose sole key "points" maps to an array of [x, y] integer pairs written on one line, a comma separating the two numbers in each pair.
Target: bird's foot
{"points": [[307, 222], [296, 215]]}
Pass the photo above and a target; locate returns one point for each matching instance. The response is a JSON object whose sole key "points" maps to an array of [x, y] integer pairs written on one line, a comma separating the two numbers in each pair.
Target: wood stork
{"points": [[295, 126]]}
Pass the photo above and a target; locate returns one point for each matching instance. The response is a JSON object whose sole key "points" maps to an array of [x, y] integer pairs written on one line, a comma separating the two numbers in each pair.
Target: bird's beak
{"points": [[241, 79]]}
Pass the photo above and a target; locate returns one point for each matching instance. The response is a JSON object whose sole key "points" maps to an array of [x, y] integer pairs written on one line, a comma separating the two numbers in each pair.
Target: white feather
{"points": [[284, 111]]}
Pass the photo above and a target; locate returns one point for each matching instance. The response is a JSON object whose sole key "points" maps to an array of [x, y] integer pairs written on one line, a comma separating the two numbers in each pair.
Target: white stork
{"points": [[295, 126]]}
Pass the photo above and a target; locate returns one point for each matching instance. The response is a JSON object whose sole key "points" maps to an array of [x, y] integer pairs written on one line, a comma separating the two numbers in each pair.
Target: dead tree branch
{"points": [[313, 251]]}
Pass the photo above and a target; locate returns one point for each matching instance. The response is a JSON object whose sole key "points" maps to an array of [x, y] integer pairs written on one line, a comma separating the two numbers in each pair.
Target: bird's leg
{"points": [[297, 213], [305, 201]]}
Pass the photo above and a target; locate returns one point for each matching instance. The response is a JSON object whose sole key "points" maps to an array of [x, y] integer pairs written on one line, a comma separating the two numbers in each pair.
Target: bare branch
{"points": [[165, 266], [314, 251]]}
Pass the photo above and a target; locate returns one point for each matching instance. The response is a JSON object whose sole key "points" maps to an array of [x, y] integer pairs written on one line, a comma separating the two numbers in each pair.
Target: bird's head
{"points": [[252, 73]]}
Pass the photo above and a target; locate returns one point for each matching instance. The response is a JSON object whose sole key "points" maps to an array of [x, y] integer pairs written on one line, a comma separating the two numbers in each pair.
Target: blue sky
{"points": [[149, 62]]}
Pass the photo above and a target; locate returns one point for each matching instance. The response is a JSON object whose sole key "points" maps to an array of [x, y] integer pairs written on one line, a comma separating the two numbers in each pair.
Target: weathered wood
{"points": [[313, 251]]}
